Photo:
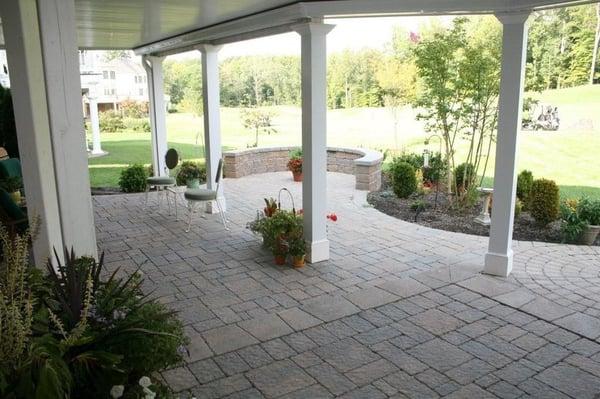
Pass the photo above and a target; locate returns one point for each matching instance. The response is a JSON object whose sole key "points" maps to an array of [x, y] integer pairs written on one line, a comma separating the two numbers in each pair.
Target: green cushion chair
{"points": [[165, 184], [194, 196]]}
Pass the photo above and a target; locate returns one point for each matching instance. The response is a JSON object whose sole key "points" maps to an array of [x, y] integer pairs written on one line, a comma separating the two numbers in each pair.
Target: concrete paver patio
{"points": [[398, 311]]}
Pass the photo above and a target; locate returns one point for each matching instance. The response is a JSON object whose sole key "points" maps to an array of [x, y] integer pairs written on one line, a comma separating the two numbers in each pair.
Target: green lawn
{"points": [[569, 156]]}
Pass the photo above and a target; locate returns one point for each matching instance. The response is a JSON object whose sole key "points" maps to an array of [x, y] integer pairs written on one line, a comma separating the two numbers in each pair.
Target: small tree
{"points": [[258, 120]]}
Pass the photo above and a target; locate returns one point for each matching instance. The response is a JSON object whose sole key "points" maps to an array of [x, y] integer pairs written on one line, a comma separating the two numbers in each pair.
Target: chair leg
{"points": [[191, 208], [166, 192], [222, 214], [175, 201], [147, 190]]}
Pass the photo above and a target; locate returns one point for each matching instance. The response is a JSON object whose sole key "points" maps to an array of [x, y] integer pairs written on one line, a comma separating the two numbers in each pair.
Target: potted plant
{"points": [[589, 211], [12, 185], [295, 240], [295, 164], [191, 174]]}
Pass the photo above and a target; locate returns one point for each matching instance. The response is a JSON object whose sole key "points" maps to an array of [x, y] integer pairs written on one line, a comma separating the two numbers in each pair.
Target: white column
{"points": [[58, 33], [24, 54], [212, 119], [40, 41], [314, 137], [499, 258], [158, 123], [95, 122]]}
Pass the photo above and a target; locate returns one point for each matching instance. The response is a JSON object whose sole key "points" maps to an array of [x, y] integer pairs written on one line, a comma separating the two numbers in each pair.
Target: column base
{"points": [[317, 251], [498, 264], [211, 206]]}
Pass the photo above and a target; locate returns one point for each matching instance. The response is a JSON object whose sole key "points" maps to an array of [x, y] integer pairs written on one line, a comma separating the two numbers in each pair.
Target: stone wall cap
{"points": [[369, 157]]}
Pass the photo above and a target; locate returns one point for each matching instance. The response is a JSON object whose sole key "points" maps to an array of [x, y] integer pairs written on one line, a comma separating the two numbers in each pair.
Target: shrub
{"points": [[436, 170], [544, 201], [137, 124], [589, 210], [464, 175], [404, 180], [111, 121], [190, 170], [133, 179], [518, 208], [524, 183], [416, 160], [572, 225], [134, 109]]}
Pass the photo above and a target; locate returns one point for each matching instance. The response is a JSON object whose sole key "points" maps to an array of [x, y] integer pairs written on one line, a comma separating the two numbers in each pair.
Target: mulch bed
{"points": [[446, 217]]}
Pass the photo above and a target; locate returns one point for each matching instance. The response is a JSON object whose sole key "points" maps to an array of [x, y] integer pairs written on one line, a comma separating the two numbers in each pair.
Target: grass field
{"points": [[570, 156]]}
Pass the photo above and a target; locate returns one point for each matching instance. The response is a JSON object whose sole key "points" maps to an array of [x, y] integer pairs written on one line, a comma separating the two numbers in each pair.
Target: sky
{"points": [[349, 33]]}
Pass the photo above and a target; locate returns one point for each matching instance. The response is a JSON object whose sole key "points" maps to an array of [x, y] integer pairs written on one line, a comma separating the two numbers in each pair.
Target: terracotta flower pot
{"points": [[298, 261], [280, 260], [297, 176], [590, 234]]}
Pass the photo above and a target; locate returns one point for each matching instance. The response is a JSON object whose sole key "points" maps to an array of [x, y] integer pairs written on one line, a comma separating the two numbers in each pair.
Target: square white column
{"points": [[42, 55], [158, 110], [499, 258], [211, 99], [314, 137]]}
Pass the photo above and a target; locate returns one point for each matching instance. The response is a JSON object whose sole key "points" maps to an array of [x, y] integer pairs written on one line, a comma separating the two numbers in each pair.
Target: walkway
{"points": [[399, 311]]}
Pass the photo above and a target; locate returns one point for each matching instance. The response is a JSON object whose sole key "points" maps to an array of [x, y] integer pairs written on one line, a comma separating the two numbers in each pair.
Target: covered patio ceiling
{"points": [[170, 26]]}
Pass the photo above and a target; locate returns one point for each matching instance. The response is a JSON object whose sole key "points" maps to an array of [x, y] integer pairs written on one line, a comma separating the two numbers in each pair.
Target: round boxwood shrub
{"points": [[404, 180], [544, 201], [133, 179], [524, 183], [464, 175], [190, 170]]}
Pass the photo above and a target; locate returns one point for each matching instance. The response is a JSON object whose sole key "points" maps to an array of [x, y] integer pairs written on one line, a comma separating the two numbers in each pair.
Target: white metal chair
{"points": [[165, 184], [194, 196]]}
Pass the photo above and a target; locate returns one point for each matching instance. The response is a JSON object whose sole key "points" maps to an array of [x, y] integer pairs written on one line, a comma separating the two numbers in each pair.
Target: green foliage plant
{"points": [[589, 210], [133, 179], [544, 201], [189, 170], [403, 177], [572, 225], [111, 121], [464, 176], [524, 184]]}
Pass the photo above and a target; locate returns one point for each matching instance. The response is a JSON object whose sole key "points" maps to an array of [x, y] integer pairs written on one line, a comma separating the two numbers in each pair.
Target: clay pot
{"points": [[297, 176], [590, 234], [280, 260], [298, 261]]}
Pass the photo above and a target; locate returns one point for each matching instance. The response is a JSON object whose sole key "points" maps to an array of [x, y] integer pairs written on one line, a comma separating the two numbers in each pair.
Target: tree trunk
{"points": [[596, 42]]}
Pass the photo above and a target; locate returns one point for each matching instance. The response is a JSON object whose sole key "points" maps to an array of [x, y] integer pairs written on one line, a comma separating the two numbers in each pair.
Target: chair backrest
{"points": [[172, 158]]}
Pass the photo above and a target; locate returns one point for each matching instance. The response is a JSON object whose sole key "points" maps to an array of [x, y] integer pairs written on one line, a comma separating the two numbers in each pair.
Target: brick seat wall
{"points": [[364, 164]]}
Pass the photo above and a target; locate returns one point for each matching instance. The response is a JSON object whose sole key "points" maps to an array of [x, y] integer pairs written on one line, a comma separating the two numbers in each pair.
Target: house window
{"points": [[112, 74], [106, 91], [105, 74], [141, 91], [112, 92]]}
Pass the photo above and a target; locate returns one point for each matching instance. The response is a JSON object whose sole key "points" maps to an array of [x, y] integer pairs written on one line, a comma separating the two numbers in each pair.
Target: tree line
{"points": [[562, 45]]}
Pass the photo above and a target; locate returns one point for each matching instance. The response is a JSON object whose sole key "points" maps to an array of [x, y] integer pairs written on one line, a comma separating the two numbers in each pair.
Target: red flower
{"points": [[332, 216]]}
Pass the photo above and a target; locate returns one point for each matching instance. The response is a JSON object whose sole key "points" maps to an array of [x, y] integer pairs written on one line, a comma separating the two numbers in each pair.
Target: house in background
{"points": [[112, 80]]}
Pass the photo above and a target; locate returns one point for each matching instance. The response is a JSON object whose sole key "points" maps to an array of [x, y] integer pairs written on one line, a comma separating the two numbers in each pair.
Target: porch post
{"points": [[95, 122], [499, 258], [313, 37], [42, 52], [212, 119], [157, 110]]}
